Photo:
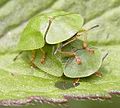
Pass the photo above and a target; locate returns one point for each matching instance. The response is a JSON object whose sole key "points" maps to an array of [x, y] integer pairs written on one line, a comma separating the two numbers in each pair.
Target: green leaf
{"points": [[20, 66], [26, 9], [21, 84]]}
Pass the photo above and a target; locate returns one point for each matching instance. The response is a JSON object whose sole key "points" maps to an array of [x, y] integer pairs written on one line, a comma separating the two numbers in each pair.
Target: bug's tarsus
{"points": [[98, 74], [76, 82], [17, 56]]}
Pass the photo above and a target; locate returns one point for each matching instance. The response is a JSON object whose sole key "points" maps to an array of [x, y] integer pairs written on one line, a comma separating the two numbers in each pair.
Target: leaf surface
{"points": [[20, 84]]}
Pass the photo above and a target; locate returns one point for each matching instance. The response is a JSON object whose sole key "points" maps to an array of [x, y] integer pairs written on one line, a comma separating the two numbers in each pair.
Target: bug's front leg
{"points": [[42, 60]]}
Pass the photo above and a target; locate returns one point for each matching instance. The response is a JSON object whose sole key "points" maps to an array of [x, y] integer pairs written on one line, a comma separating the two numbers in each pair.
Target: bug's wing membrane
{"points": [[64, 27], [33, 35]]}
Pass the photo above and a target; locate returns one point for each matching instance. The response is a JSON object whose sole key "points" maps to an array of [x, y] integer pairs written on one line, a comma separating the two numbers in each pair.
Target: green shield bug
{"points": [[51, 28], [91, 63]]}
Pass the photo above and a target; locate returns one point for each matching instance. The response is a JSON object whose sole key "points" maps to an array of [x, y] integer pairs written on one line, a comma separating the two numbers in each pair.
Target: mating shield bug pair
{"points": [[61, 28]]}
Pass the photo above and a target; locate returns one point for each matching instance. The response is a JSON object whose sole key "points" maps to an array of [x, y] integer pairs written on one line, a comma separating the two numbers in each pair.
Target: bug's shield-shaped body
{"points": [[63, 26]]}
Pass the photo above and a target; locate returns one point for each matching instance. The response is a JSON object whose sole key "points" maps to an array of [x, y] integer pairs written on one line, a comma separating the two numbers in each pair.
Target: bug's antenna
{"points": [[93, 27], [17, 55], [107, 36], [105, 56]]}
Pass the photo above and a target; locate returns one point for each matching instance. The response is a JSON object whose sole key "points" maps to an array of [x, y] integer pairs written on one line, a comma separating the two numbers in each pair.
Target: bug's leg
{"points": [[71, 54], [85, 43], [33, 59], [66, 43], [70, 41], [74, 38], [78, 34], [42, 60], [76, 82], [98, 74], [17, 55]]}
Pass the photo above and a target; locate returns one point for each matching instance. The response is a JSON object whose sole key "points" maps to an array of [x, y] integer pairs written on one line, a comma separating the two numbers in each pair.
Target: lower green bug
{"points": [[91, 62], [57, 27]]}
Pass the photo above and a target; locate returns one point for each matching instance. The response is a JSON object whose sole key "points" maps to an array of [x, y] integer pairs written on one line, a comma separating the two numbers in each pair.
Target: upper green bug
{"points": [[50, 28]]}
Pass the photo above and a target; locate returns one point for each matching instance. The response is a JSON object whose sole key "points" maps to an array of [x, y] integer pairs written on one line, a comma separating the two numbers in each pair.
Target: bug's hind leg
{"points": [[42, 60]]}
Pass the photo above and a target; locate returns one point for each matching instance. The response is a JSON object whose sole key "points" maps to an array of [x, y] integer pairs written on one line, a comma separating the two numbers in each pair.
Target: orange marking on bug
{"points": [[90, 50], [42, 60], [78, 60]]}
